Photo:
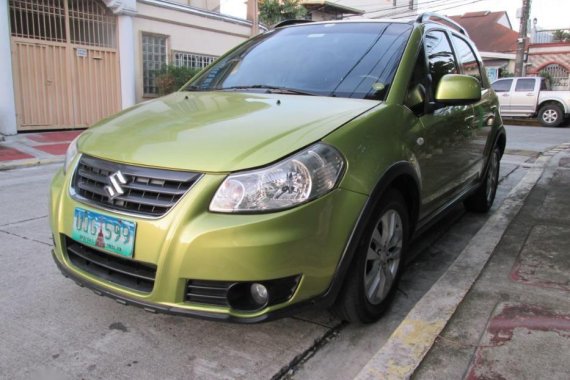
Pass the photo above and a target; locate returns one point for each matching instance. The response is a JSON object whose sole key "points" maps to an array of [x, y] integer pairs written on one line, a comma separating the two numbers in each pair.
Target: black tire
{"points": [[551, 115], [482, 200], [378, 258]]}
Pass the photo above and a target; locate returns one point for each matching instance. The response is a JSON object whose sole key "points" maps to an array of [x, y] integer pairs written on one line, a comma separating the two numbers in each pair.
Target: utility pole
{"points": [[521, 42]]}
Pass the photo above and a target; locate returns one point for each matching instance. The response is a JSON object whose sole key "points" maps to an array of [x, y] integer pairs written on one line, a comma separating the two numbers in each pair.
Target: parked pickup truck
{"points": [[528, 97]]}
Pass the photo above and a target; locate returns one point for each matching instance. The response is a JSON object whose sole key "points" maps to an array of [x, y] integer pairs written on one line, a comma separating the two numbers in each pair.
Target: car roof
{"points": [[429, 19]]}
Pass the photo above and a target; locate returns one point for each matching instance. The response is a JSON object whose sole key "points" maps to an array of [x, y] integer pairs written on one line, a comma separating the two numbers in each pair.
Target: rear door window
{"points": [[525, 85]]}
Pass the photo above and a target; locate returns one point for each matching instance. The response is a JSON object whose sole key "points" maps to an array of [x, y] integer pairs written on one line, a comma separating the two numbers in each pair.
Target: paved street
{"points": [[53, 328]]}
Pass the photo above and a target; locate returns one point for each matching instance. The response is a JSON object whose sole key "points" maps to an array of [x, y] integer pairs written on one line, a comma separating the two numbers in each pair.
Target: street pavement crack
{"points": [[22, 221], [312, 322], [289, 370], [26, 238]]}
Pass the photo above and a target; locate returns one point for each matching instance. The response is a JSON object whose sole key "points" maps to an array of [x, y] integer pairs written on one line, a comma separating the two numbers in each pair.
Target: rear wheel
{"points": [[551, 115], [373, 277], [482, 199]]}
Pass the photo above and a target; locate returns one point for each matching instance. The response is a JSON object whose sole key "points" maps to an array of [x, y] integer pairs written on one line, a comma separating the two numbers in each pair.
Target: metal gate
{"points": [[65, 62], [559, 75]]}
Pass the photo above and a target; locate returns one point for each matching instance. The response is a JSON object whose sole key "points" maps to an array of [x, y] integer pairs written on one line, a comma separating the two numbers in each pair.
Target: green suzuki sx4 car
{"points": [[295, 170]]}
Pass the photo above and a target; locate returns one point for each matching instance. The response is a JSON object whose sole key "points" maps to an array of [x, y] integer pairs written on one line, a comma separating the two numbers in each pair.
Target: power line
{"points": [[407, 14], [446, 4], [407, 6]]}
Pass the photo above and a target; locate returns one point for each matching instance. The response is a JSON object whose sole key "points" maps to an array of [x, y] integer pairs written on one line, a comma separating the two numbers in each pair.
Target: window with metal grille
{"points": [[41, 20], [91, 23], [192, 60], [154, 58]]}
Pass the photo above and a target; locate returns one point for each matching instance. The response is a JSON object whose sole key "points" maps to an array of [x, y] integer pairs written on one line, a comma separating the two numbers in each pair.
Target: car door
{"points": [[437, 139], [477, 131], [503, 87], [525, 96]]}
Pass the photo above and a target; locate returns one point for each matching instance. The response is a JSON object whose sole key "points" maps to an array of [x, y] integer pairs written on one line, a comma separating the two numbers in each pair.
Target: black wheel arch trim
{"points": [[401, 169], [501, 133]]}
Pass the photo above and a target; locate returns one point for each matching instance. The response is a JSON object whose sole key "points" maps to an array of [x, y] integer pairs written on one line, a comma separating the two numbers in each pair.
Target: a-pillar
{"points": [[7, 102]]}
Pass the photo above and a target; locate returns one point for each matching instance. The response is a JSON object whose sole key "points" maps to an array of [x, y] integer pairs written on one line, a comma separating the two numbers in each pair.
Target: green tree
{"points": [[547, 77], [273, 11], [170, 78], [561, 35], [504, 73]]}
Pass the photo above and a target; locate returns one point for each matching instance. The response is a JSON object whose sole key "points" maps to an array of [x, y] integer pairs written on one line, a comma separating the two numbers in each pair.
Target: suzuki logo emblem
{"points": [[114, 189]]}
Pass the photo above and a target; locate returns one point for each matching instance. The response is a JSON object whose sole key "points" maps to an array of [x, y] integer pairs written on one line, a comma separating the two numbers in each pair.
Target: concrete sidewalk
{"points": [[515, 321], [29, 149], [501, 311]]}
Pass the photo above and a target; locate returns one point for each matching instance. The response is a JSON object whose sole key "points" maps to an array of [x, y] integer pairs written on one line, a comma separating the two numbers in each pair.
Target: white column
{"points": [[125, 10], [127, 60], [7, 103]]}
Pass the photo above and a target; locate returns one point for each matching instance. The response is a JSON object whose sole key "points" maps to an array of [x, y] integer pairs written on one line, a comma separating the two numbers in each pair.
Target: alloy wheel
{"points": [[492, 176], [383, 256], [550, 116]]}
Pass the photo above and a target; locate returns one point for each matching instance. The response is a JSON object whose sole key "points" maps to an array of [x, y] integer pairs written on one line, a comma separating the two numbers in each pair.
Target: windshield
{"points": [[353, 60]]}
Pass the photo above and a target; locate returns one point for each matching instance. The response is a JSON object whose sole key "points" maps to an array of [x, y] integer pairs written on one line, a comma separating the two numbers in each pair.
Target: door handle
{"points": [[505, 95], [530, 94]]}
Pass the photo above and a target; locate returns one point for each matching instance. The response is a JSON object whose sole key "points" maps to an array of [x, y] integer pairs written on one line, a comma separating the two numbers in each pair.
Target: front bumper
{"points": [[191, 243]]}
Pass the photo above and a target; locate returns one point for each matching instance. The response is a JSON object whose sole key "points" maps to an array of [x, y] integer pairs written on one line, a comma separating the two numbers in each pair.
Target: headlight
{"points": [[70, 154], [297, 179]]}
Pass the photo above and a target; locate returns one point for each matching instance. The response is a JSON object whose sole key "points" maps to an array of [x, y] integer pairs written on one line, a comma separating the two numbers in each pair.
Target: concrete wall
{"points": [[211, 5], [545, 54], [186, 32], [7, 102]]}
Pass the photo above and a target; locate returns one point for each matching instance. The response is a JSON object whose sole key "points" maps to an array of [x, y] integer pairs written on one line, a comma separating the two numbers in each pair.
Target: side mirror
{"points": [[454, 89]]}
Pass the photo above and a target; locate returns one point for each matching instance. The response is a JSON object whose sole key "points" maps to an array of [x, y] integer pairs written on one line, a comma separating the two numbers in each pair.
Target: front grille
{"points": [[208, 292], [147, 192], [126, 272]]}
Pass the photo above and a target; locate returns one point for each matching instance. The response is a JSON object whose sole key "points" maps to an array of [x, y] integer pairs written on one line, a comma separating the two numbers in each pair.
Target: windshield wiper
{"points": [[270, 89]]}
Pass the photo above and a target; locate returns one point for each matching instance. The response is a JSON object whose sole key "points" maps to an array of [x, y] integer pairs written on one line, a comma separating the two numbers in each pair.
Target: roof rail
{"points": [[427, 15], [290, 22]]}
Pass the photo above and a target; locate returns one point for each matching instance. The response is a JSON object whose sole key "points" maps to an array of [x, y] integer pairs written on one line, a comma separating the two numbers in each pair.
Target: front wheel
{"points": [[373, 277], [482, 199], [550, 115]]}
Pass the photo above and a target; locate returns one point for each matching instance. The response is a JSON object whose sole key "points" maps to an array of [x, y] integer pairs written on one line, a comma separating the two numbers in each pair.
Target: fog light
{"points": [[259, 293]]}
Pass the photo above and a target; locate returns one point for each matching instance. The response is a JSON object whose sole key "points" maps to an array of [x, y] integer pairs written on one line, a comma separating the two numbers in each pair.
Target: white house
{"points": [[74, 62]]}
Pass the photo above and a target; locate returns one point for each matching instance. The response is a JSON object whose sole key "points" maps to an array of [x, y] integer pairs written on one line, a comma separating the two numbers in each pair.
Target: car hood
{"points": [[217, 131]]}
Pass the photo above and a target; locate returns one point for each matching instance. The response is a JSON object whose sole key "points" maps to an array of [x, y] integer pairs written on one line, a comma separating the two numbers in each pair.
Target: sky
{"points": [[550, 14]]}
